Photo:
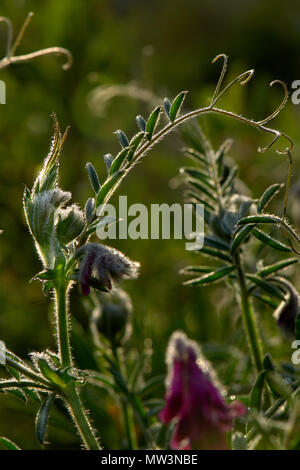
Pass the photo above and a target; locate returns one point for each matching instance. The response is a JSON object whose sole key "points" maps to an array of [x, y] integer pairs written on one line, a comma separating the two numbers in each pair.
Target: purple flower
{"points": [[106, 264], [194, 401]]}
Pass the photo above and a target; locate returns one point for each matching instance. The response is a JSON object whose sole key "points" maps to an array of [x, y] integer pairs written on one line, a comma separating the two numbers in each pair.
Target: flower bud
{"points": [[112, 317], [70, 224], [287, 311], [40, 213], [105, 264], [90, 210]]}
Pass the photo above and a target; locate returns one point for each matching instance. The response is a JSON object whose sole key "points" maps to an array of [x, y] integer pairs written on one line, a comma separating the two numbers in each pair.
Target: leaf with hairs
{"points": [[42, 418], [152, 122], [270, 241], [7, 444], [176, 105], [267, 196], [240, 237], [272, 268], [265, 285], [211, 277]]}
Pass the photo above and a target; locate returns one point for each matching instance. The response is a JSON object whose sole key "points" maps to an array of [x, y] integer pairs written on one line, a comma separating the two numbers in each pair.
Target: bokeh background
{"points": [[121, 46]]}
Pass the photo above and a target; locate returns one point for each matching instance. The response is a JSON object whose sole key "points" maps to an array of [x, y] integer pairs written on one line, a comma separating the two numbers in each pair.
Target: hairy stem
{"points": [[81, 420], [249, 318], [63, 338], [63, 334]]}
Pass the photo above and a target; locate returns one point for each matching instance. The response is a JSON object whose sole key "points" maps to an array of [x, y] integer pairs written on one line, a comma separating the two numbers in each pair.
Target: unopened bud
{"points": [[112, 317], [287, 310], [70, 224]]}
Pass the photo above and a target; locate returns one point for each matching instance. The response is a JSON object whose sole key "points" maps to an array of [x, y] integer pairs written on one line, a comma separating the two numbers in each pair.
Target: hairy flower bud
{"points": [[106, 264], [70, 223], [40, 213], [194, 400], [111, 318]]}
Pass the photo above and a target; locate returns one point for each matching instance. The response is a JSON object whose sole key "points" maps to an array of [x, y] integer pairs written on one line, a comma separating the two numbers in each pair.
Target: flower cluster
{"points": [[194, 401], [106, 263]]}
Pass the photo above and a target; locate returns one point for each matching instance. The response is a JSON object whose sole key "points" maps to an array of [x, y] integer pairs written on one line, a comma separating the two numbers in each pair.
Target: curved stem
{"points": [[249, 318]]}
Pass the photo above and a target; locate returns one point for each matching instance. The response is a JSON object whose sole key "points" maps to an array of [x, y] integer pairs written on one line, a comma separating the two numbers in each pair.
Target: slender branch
{"points": [[33, 55], [7, 384], [26, 371]]}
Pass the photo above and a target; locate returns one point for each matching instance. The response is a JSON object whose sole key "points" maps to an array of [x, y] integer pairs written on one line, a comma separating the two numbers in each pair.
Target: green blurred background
{"points": [[162, 47]]}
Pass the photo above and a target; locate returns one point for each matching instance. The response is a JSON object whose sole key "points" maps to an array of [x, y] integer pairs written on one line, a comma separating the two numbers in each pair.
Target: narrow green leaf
{"points": [[268, 363], [198, 175], [195, 198], [13, 372], [19, 394], [257, 391], [215, 242], [265, 300], [269, 219], [198, 269], [7, 444], [278, 386], [202, 189], [265, 285], [42, 418], [259, 219], [267, 196], [270, 241], [240, 237], [32, 394], [266, 271], [134, 144], [136, 140], [176, 105], [196, 156], [219, 156], [230, 178], [212, 277], [152, 122], [214, 254], [117, 162], [108, 186]]}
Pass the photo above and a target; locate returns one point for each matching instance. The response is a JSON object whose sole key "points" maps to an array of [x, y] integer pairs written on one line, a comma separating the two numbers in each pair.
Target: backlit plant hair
{"points": [[65, 252]]}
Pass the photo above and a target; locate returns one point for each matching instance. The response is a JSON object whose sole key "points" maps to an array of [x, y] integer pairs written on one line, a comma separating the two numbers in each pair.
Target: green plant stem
{"points": [[127, 412], [71, 393], [81, 420], [63, 336], [249, 318]]}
